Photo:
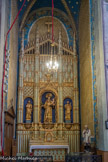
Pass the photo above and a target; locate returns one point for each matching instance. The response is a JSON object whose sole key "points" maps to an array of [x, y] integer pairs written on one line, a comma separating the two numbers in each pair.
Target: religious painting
{"points": [[68, 110], [28, 110], [48, 105]]}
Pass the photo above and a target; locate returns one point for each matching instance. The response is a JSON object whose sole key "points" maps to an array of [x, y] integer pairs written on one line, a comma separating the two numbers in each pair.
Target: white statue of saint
{"points": [[86, 134]]}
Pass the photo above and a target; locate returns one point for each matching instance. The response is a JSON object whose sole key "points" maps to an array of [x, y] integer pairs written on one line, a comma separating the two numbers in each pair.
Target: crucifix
{"points": [[49, 24]]}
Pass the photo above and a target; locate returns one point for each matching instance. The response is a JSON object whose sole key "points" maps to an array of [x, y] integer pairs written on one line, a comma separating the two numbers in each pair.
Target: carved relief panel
{"points": [[36, 75]]}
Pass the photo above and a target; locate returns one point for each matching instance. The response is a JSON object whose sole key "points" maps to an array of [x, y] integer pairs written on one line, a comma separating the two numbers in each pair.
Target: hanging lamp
{"points": [[52, 65]]}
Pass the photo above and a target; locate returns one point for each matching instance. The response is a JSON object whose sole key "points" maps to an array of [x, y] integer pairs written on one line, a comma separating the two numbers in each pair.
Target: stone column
{"points": [[101, 57], [76, 98], [20, 88], [3, 29], [60, 90], [105, 17], [36, 81]]}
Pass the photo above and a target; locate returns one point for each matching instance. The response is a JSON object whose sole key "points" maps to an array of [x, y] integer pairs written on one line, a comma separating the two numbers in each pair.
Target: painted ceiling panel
{"points": [[74, 6], [48, 3]]}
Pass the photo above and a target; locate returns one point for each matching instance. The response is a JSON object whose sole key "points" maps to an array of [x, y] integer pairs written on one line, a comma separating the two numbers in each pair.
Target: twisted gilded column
{"points": [[60, 89], [20, 87], [36, 80]]}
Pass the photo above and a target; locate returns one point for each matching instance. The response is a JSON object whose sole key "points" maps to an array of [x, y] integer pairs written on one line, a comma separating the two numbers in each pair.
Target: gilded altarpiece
{"points": [[35, 82]]}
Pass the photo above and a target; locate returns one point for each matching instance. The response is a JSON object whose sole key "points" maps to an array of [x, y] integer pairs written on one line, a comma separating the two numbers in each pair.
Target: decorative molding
{"points": [[26, 13], [46, 12], [93, 5], [70, 15], [29, 84]]}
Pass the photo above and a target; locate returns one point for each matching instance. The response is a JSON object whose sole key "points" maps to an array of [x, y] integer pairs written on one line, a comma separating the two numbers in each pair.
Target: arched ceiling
{"points": [[73, 5]]}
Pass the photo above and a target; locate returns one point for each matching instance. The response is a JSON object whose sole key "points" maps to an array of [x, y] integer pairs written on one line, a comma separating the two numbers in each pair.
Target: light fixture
{"points": [[52, 65]]}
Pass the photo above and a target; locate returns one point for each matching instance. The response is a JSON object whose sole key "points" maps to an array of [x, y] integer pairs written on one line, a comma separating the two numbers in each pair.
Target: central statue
{"points": [[49, 104]]}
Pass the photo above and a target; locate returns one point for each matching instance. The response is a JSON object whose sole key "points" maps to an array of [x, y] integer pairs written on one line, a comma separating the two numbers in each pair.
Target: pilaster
{"points": [[20, 88], [60, 89], [76, 90], [36, 80]]}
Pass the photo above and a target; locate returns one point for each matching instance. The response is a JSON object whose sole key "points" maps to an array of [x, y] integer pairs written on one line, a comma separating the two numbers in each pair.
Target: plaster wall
{"points": [[86, 93]]}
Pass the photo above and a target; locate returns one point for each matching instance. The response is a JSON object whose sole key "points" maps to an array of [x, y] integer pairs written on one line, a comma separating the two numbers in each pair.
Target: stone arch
{"points": [[57, 28], [31, 5], [46, 12]]}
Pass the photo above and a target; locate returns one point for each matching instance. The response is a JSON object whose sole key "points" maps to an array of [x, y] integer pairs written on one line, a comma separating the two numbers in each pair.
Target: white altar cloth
{"points": [[32, 147]]}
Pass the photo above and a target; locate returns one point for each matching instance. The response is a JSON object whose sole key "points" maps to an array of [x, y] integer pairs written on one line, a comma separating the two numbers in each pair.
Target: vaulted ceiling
{"points": [[73, 5]]}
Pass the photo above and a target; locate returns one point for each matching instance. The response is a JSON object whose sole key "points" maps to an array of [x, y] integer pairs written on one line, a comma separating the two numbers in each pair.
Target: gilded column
{"points": [[36, 80], [60, 90], [76, 99], [20, 88]]}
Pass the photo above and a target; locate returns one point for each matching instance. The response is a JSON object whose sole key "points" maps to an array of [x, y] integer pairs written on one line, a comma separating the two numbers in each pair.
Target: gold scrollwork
{"points": [[67, 84], [29, 84], [48, 137]]}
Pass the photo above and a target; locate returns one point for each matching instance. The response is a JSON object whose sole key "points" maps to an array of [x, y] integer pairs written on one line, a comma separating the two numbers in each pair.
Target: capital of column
{"points": [[20, 89], [36, 85], [22, 43], [75, 90], [20, 57]]}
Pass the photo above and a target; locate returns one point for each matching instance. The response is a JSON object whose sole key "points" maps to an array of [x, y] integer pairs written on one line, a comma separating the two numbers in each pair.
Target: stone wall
{"points": [[3, 31], [92, 62], [12, 82], [86, 93], [102, 25]]}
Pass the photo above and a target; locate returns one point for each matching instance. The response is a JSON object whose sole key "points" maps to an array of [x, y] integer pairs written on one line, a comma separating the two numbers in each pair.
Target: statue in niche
{"points": [[68, 109], [28, 110], [49, 104], [86, 134]]}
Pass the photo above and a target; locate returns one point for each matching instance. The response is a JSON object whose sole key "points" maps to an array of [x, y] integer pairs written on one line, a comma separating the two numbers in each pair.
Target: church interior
{"points": [[53, 78]]}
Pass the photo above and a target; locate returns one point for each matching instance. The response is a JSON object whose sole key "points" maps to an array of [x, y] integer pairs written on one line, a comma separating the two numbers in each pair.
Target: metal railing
{"points": [[40, 159], [83, 158], [27, 159]]}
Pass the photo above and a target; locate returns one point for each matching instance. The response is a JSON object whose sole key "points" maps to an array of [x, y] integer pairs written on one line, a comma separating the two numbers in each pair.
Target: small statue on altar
{"points": [[68, 109], [86, 134], [49, 104], [28, 110]]}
